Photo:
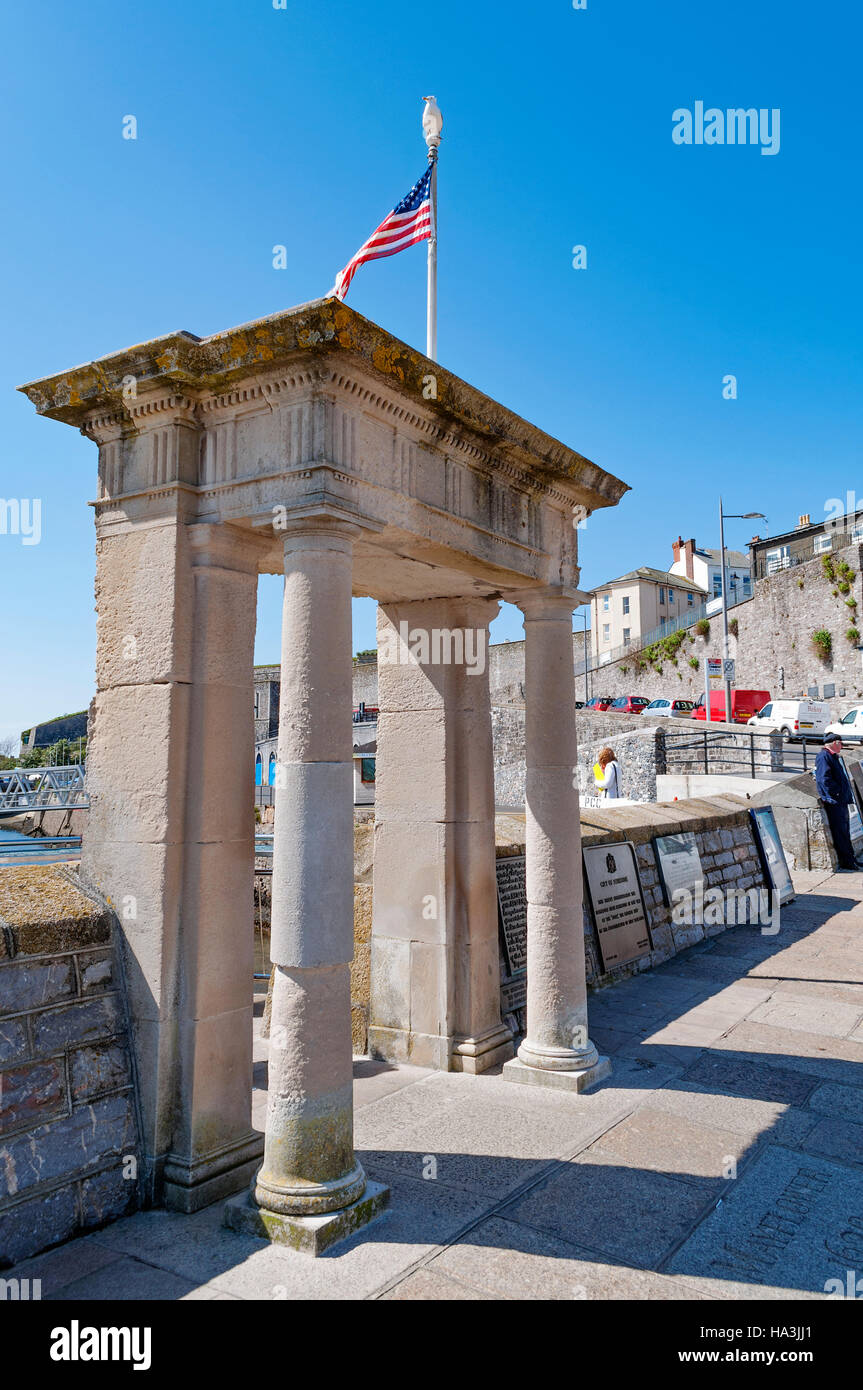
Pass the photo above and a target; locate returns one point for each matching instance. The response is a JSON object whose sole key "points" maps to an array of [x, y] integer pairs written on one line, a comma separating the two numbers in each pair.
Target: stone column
{"points": [[557, 1050], [311, 1190], [435, 989]]}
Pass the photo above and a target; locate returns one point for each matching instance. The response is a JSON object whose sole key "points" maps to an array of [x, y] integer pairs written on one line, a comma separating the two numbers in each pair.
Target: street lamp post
{"points": [[730, 516], [583, 617]]}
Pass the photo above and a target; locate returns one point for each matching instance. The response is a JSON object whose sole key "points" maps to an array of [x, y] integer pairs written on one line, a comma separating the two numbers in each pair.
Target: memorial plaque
{"points": [[512, 906], [679, 864], [856, 771], [770, 852], [512, 931], [617, 902]]}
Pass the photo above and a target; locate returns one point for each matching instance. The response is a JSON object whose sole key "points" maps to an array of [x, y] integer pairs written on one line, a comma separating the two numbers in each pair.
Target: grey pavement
{"points": [[722, 1159]]}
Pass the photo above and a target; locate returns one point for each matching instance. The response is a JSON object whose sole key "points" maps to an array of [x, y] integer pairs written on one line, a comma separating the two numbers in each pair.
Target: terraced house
{"points": [[624, 610]]}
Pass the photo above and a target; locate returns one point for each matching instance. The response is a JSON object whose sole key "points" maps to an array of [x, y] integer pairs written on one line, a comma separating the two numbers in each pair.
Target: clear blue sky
{"points": [[301, 126]]}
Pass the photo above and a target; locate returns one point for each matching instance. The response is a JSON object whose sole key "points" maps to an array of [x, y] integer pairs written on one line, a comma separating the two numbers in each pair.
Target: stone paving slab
{"points": [[792, 1221], [505, 1259], [629, 1214]]}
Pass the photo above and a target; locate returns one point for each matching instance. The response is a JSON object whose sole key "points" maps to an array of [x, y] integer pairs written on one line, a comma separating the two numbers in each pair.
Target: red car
{"points": [[600, 702], [629, 704]]}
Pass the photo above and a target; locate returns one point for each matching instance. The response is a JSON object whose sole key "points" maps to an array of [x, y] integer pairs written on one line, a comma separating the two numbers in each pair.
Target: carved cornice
{"points": [[316, 339]]}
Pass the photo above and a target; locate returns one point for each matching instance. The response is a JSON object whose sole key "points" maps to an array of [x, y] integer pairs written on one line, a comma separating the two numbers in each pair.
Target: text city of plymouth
{"points": [[314, 444]]}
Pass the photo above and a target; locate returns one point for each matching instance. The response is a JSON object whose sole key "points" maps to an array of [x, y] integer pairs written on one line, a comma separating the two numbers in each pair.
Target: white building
{"points": [[704, 568]]}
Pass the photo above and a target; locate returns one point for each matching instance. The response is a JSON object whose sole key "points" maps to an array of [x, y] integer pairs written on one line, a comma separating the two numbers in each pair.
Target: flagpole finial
{"points": [[432, 126]]}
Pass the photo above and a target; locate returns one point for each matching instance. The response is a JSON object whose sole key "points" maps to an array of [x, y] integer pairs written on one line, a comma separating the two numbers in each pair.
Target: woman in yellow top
{"points": [[606, 774]]}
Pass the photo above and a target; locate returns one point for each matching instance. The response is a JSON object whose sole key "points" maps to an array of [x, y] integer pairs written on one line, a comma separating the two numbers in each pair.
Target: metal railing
{"points": [[688, 618], [750, 753], [43, 788]]}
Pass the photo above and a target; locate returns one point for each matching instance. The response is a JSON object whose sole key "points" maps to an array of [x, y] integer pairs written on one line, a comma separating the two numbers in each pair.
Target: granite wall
{"points": [[69, 1157]]}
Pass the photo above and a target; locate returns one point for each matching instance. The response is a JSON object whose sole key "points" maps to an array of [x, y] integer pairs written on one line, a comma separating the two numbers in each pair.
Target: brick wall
{"points": [[67, 1105]]}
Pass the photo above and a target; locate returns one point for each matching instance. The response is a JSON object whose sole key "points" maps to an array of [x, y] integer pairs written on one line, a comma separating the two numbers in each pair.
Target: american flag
{"points": [[409, 222]]}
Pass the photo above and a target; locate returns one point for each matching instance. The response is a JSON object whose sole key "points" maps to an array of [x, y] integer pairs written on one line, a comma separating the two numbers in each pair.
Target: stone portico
{"points": [[314, 444]]}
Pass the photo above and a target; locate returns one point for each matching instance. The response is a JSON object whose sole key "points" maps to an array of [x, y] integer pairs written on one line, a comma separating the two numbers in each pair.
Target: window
{"points": [[856, 533], [606, 632], [271, 771], [747, 585], [626, 636], [766, 712], [367, 770], [606, 602], [778, 559], [690, 600], [849, 717], [258, 770], [257, 705], [625, 604], [670, 595], [823, 544], [661, 594], [717, 585]]}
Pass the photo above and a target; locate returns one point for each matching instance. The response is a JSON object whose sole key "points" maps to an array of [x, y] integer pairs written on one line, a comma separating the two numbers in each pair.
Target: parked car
{"points": [[796, 720], [670, 709], [600, 702], [850, 726], [629, 704], [744, 703]]}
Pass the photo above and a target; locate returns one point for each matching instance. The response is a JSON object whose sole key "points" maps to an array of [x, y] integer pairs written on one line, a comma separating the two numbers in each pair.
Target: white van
{"points": [[795, 719], [850, 726]]}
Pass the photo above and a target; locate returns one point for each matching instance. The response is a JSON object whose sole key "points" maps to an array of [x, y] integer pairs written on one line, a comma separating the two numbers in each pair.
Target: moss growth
{"points": [[822, 643]]}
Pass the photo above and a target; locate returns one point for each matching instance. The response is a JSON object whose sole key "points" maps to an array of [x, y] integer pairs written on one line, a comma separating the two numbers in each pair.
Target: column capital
{"points": [[319, 518], [552, 601]]}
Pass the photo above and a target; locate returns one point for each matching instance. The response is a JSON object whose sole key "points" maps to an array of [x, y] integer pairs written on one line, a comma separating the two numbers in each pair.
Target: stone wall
{"points": [[632, 736], [68, 1114]]}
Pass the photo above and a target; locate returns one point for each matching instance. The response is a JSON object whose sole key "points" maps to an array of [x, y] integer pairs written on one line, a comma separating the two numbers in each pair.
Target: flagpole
{"points": [[431, 314], [432, 125]]}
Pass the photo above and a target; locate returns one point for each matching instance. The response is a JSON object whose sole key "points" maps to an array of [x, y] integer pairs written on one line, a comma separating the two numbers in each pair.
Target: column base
{"points": [[578, 1080], [476, 1055], [190, 1184], [412, 1049], [311, 1235]]}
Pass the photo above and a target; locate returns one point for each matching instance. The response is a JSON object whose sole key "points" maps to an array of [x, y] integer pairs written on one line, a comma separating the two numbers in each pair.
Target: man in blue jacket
{"points": [[834, 789]]}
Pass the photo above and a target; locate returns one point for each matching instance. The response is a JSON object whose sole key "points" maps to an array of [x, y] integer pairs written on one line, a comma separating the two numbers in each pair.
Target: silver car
{"points": [[670, 709]]}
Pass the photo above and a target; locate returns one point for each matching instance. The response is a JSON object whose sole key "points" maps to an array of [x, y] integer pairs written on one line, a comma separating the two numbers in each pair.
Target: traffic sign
{"points": [[728, 669], [714, 668]]}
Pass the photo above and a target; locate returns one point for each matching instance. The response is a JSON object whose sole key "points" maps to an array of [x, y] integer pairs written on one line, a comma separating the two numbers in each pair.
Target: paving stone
{"points": [[65, 1264], [652, 1212], [505, 1259], [835, 1138], [813, 1054], [792, 1221], [755, 1079], [843, 1102], [426, 1284], [125, 1279], [677, 1145], [835, 1019], [754, 1120]]}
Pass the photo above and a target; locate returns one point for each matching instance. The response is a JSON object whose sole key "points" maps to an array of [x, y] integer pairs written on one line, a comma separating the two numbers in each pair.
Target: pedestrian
{"points": [[607, 778], [834, 789]]}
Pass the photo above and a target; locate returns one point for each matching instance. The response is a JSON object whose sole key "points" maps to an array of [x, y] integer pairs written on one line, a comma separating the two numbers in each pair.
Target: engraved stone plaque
{"points": [[617, 902]]}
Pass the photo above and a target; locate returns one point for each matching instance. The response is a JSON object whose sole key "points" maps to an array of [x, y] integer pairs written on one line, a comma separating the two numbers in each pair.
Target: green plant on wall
{"points": [[702, 627], [828, 567], [694, 662], [853, 636], [822, 643], [732, 627]]}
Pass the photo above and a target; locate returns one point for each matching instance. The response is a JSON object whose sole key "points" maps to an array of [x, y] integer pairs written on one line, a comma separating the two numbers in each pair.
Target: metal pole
{"points": [[724, 610], [431, 316]]}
